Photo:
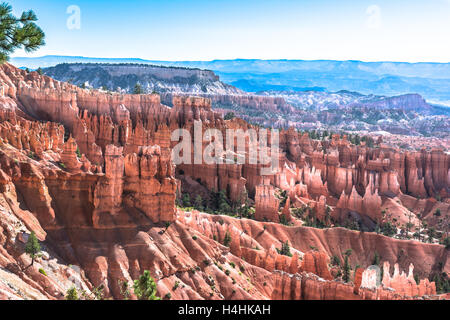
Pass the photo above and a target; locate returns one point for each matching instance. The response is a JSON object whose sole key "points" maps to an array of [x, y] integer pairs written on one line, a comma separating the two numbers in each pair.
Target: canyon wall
{"points": [[91, 174]]}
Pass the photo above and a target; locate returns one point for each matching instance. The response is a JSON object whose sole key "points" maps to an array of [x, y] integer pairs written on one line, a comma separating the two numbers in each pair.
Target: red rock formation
{"points": [[317, 263], [405, 284], [149, 183], [286, 211], [266, 204], [358, 280], [310, 287], [69, 155], [105, 211], [321, 208]]}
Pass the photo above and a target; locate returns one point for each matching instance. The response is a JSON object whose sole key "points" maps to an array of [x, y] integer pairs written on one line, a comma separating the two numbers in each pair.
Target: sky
{"points": [[173, 30]]}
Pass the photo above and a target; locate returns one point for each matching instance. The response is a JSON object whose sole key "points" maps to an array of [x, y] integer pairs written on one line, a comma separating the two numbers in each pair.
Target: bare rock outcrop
{"points": [[104, 201], [266, 204]]}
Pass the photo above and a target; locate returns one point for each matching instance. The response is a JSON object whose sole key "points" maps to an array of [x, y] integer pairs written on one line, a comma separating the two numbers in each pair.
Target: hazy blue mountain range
{"points": [[431, 80]]}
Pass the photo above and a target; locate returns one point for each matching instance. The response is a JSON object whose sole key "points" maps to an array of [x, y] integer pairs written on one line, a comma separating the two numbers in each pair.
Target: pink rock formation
{"points": [[266, 204], [69, 155], [112, 211], [317, 263], [405, 284]]}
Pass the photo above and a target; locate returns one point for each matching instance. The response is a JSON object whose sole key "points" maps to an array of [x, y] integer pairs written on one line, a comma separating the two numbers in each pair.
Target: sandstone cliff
{"points": [[91, 174]]}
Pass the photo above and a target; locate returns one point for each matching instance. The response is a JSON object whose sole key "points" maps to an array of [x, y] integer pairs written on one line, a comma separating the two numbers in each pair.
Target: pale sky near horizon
{"points": [[395, 30]]}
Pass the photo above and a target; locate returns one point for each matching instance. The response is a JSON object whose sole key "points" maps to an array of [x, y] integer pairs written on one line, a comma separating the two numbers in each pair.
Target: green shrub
{"points": [[198, 203], [442, 282], [283, 220], [335, 261], [229, 116], [285, 249], [388, 229], [186, 200], [72, 294], [145, 287], [446, 243], [124, 289]]}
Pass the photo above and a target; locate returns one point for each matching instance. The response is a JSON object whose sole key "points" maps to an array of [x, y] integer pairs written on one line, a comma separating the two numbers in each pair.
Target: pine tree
{"points": [[431, 232], [285, 249], [227, 239], [186, 200], [198, 203], [376, 259], [17, 33], [347, 266], [446, 242], [416, 278], [438, 283], [335, 261], [377, 228], [145, 287], [357, 140], [222, 202], [137, 88], [32, 248], [244, 205]]}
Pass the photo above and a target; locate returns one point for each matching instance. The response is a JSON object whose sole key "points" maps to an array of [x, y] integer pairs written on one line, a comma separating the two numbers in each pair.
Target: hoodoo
{"points": [[91, 174]]}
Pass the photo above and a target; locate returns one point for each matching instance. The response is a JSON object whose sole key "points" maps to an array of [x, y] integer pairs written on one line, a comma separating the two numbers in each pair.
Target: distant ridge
{"points": [[52, 60], [429, 79], [138, 64], [151, 77]]}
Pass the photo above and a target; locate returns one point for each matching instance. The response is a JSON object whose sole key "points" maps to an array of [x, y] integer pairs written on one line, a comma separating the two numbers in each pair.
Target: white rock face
{"points": [[370, 278]]}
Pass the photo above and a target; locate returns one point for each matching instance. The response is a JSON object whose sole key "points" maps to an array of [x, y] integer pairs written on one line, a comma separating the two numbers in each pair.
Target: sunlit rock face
{"points": [[91, 174]]}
